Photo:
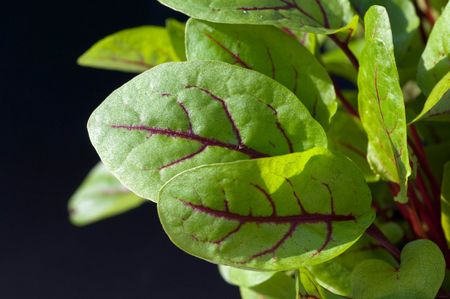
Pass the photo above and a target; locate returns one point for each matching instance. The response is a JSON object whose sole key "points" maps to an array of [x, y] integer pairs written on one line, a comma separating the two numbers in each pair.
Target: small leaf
{"points": [[176, 30], [435, 61], [437, 106], [318, 16], [289, 211], [244, 278], [132, 50], [347, 136], [100, 196], [419, 276], [270, 51], [308, 288], [381, 105], [280, 286], [185, 114], [445, 202]]}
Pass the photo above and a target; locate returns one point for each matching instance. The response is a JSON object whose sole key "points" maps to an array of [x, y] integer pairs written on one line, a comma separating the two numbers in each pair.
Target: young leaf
{"points": [[437, 106], [419, 276], [308, 288], [445, 202], [244, 278], [381, 105], [316, 16], [280, 286], [176, 30], [100, 196], [403, 19], [181, 115], [435, 61], [270, 51], [347, 136], [132, 50], [289, 211]]}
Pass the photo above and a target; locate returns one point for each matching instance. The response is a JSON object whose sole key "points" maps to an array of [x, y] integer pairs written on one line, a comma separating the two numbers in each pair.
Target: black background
{"points": [[46, 100]]}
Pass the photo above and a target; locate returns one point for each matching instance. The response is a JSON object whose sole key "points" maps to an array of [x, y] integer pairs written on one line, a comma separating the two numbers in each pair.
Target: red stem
{"points": [[344, 47], [378, 235], [345, 103]]}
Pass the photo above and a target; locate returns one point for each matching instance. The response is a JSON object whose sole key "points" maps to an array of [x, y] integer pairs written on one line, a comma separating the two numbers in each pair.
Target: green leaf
{"points": [[244, 278], [316, 16], [280, 286], [306, 39], [435, 61], [335, 274], [100, 196], [347, 136], [445, 202], [132, 50], [438, 155], [403, 20], [381, 105], [419, 276], [270, 51], [289, 211], [176, 30], [308, 288], [181, 115], [437, 106]]}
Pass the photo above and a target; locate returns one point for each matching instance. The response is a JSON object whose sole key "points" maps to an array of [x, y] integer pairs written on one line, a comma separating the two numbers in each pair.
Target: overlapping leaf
{"points": [[181, 115], [100, 196], [381, 105], [279, 286], [445, 202], [435, 61], [437, 106], [131, 50], [316, 16], [176, 29], [244, 278], [270, 51], [289, 211]]}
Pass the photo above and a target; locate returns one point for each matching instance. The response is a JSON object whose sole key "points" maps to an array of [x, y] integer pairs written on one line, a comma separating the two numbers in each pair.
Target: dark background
{"points": [[46, 100]]}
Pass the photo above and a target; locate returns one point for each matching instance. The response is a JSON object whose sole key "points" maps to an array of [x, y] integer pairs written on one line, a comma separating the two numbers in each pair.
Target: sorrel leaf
{"points": [[244, 278], [270, 51], [132, 50], [419, 276], [347, 136], [437, 106], [381, 104], [181, 115], [435, 61], [335, 274], [403, 19], [100, 196], [445, 202], [289, 211], [280, 286], [307, 287], [316, 16], [176, 29]]}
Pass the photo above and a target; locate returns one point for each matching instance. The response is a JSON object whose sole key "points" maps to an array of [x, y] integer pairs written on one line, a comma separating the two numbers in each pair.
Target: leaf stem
{"points": [[378, 235], [344, 47], [345, 103]]}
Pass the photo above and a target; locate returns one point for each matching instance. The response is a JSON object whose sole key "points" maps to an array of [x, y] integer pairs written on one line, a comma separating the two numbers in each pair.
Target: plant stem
{"points": [[345, 103], [378, 235], [344, 47]]}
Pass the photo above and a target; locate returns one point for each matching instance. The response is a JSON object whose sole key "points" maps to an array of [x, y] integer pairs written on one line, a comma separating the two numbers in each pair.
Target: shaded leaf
{"points": [[316, 16], [435, 61], [289, 211], [280, 286], [347, 136], [181, 115], [438, 155], [100, 196], [270, 51], [308, 288], [381, 105], [445, 202], [132, 50], [437, 106], [176, 30], [243, 277], [419, 276]]}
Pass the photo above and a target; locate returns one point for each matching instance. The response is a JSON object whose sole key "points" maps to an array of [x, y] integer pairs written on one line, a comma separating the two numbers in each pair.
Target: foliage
{"points": [[299, 145]]}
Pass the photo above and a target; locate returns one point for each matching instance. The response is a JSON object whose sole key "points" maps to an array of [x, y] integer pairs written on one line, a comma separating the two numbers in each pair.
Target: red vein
{"points": [[268, 197], [194, 137], [295, 80], [281, 129], [186, 112], [236, 57], [229, 234], [271, 62], [326, 22], [352, 148], [225, 108], [187, 157], [297, 198]]}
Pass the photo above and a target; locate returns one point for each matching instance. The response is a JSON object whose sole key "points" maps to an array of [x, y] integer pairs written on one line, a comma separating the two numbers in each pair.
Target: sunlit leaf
{"points": [[176, 30], [437, 106]]}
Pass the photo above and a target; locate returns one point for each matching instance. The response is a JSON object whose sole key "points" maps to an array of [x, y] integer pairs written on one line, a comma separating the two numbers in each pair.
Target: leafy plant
{"points": [[298, 144]]}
